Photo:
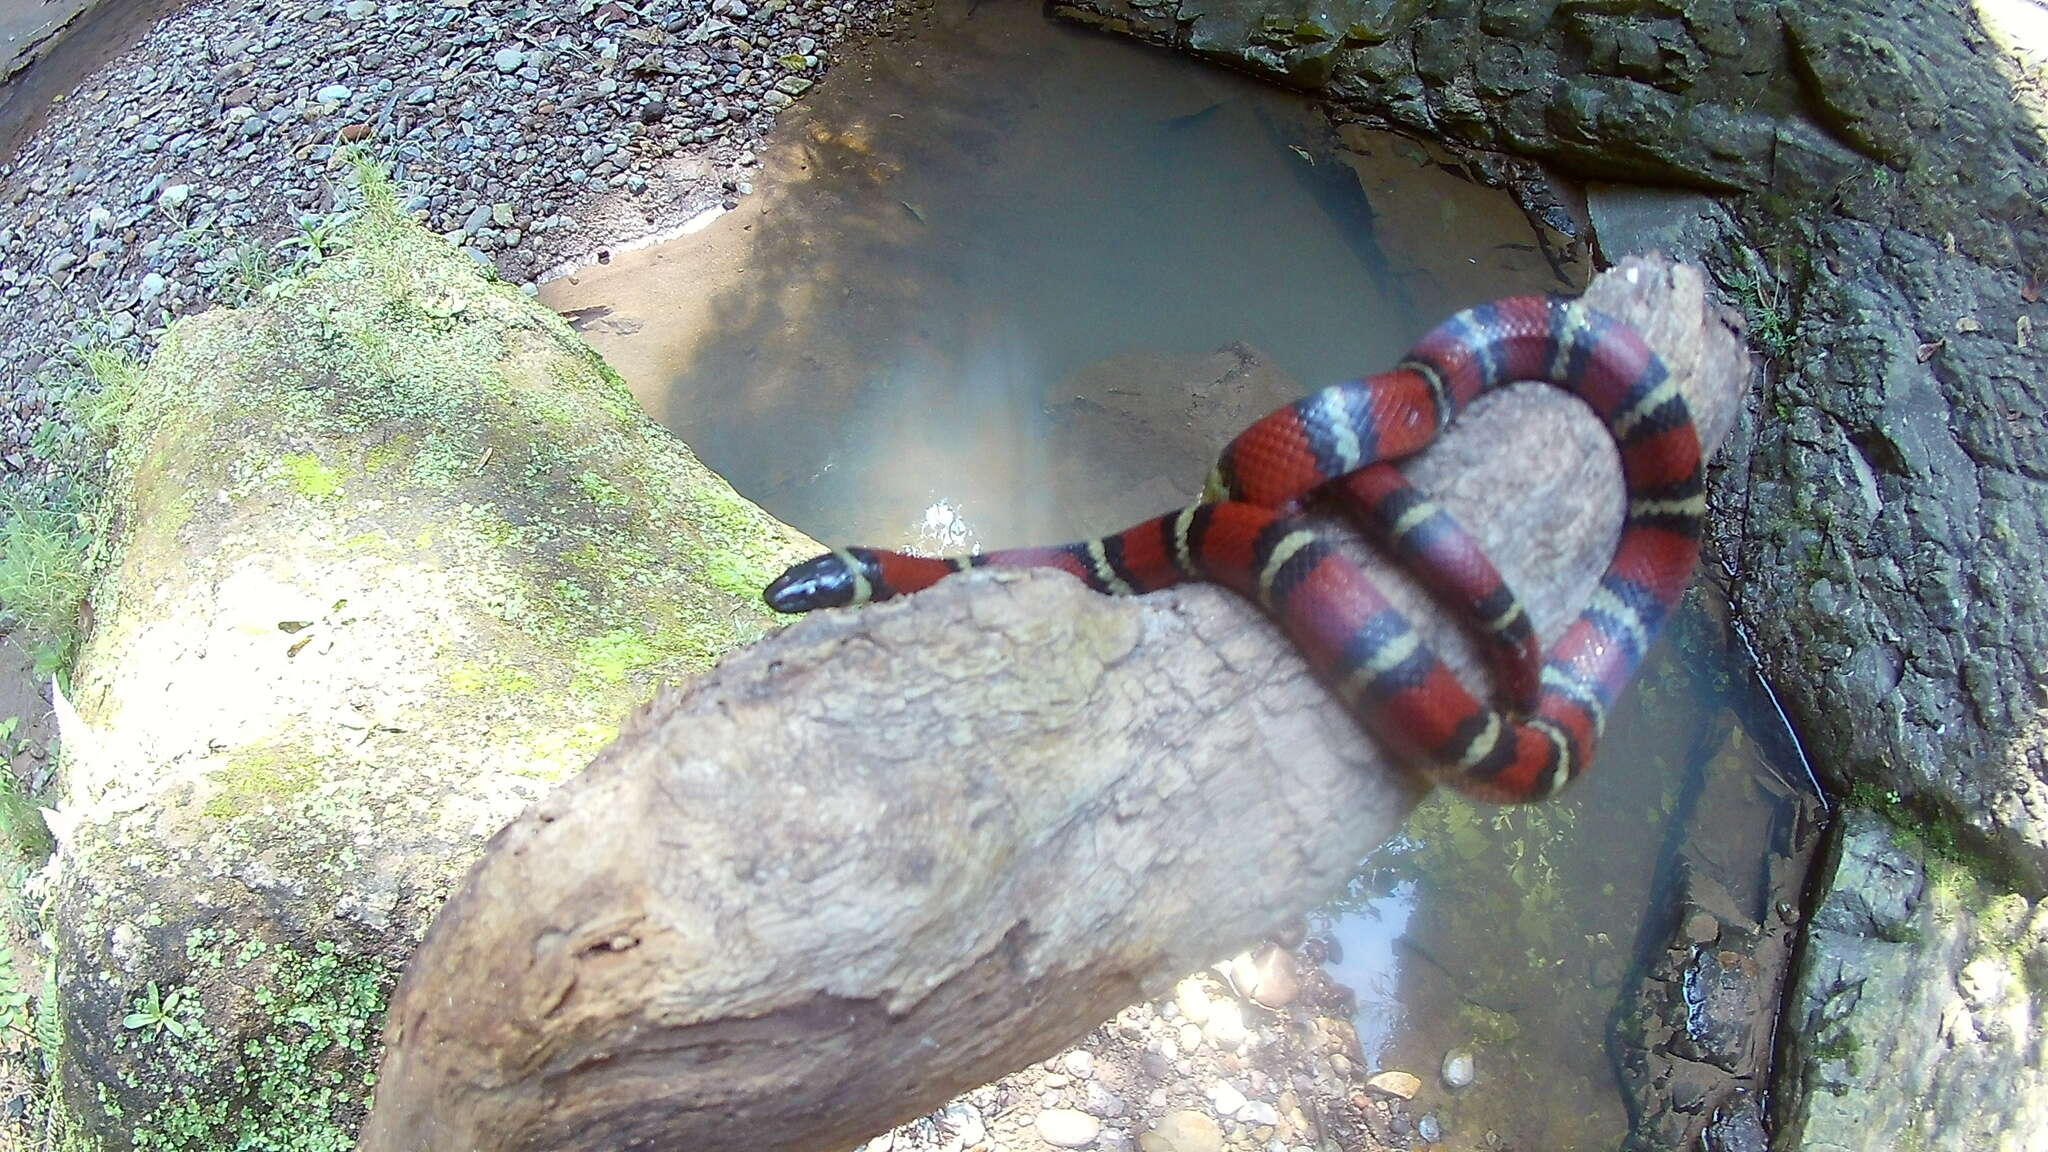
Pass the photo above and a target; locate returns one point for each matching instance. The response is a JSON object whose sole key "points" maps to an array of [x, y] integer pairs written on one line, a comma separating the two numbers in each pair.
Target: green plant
{"points": [[21, 822], [1763, 305], [318, 238], [370, 184], [16, 1016], [158, 1013], [116, 378], [43, 580]]}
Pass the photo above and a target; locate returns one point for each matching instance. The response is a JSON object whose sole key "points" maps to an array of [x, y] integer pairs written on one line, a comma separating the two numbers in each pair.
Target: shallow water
{"points": [[1513, 933], [985, 261], [1011, 282]]}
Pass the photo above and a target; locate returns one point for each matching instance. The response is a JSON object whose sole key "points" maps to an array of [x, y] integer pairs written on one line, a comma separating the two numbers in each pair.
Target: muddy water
{"points": [[1010, 282]]}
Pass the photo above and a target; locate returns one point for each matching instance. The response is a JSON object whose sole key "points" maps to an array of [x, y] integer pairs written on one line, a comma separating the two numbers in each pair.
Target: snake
{"points": [[1248, 534]]}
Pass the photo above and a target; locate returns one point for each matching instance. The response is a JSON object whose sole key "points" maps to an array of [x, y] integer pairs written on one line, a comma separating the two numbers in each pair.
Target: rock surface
{"points": [[1914, 1002], [397, 554]]}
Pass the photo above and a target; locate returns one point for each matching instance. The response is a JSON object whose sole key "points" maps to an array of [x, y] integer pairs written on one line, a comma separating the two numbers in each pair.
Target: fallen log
{"points": [[884, 856]]}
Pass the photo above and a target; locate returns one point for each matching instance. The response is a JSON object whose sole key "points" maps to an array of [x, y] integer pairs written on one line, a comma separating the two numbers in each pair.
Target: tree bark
{"points": [[887, 855]]}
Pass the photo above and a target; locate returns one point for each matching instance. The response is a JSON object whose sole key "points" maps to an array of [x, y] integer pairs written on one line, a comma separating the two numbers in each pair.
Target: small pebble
{"points": [[1227, 1099], [1067, 1128]]}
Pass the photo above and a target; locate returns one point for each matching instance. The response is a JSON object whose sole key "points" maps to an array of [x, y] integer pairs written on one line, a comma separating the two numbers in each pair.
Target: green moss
{"points": [[1841, 1045], [256, 777], [581, 555], [599, 489], [382, 456], [609, 656], [439, 460], [306, 475]]}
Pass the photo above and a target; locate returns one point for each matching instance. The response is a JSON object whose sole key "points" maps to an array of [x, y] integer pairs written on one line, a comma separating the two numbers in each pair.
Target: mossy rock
{"points": [[394, 553]]}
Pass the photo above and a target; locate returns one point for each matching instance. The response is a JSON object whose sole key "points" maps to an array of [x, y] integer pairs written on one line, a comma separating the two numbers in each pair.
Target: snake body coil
{"points": [[1247, 537]]}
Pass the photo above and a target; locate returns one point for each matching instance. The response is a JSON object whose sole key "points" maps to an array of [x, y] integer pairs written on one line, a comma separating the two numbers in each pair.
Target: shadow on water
{"points": [[966, 242]]}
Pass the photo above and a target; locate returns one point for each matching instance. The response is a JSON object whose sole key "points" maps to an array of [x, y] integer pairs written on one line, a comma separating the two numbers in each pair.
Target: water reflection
{"points": [[1362, 953]]}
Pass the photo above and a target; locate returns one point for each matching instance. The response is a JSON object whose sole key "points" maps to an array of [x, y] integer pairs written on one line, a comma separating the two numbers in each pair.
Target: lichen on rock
{"points": [[394, 552], [1915, 1002]]}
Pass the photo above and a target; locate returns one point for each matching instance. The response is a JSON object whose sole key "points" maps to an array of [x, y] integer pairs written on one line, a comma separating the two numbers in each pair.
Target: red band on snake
{"points": [[1247, 538]]}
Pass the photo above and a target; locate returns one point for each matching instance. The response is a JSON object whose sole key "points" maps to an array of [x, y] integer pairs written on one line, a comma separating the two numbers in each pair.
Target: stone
{"points": [[424, 94], [334, 94], [1067, 1128], [1275, 980], [1079, 1064], [508, 59], [1226, 1098], [1429, 1128], [1458, 1070], [1724, 993], [1629, 219], [1191, 996], [223, 406], [1183, 1130], [1913, 974], [1736, 1126], [1100, 1101], [964, 1121], [1225, 1028], [153, 286], [360, 9], [1397, 1084], [1258, 1113]]}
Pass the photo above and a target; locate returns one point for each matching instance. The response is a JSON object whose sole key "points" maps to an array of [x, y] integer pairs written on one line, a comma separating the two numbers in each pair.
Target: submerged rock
{"points": [[1400, 1085], [1459, 1068], [1183, 1131]]}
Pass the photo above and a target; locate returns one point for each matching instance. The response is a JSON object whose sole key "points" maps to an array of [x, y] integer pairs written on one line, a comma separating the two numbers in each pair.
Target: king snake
{"points": [[1247, 536]]}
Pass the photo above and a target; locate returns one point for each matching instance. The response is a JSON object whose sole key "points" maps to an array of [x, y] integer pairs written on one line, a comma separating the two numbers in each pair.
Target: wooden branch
{"points": [[888, 855]]}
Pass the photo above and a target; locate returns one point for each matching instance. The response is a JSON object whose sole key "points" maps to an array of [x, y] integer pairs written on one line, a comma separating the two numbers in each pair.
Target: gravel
{"points": [[532, 134]]}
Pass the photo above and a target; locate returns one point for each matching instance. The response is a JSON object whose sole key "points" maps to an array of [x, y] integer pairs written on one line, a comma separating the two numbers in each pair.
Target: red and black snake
{"points": [[1247, 537]]}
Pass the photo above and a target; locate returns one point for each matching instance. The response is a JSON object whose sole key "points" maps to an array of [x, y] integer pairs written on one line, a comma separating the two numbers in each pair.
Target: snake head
{"points": [[835, 580]]}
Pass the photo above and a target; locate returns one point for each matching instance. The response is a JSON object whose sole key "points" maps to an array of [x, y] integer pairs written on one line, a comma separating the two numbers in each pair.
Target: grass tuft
{"points": [[43, 580]]}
